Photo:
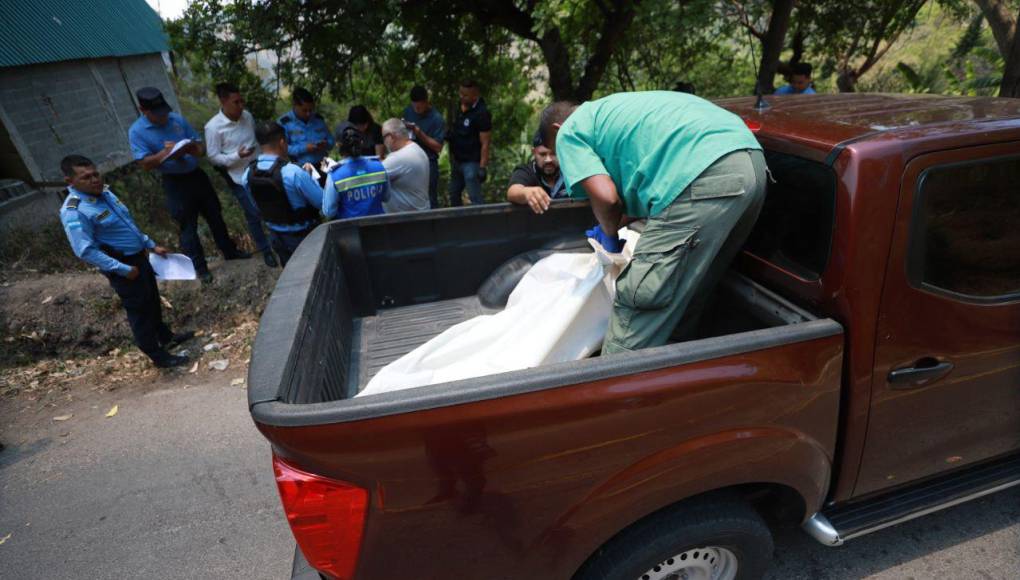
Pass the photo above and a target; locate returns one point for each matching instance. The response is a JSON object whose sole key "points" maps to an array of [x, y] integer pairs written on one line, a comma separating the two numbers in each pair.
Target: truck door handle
{"points": [[925, 371]]}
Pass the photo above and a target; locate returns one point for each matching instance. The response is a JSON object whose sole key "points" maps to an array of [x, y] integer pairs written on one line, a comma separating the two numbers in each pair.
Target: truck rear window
{"points": [[794, 230]]}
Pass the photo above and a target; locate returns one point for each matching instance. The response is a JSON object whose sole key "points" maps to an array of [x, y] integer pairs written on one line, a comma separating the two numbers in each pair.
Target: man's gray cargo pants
{"points": [[684, 252]]}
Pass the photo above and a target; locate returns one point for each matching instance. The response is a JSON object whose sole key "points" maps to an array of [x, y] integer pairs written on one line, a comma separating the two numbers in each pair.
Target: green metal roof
{"points": [[37, 31]]}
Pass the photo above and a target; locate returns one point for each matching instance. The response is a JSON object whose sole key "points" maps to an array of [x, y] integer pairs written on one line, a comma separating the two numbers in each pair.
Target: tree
{"points": [[215, 59], [999, 14], [772, 37], [854, 36], [672, 41], [1010, 86], [577, 38]]}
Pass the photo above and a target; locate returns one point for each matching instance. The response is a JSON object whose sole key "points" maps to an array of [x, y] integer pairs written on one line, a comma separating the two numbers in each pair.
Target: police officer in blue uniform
{"points": [[357, 186], [286, 195], [308, 138], [103, 234], [189, 193]]}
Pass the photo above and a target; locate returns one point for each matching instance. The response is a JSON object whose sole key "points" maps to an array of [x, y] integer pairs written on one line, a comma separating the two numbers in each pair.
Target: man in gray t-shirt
{"points": [[407, 167]]}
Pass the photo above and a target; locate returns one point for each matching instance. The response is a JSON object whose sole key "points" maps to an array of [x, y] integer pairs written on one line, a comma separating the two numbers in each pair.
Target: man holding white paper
{"points": [[103, 233], [163, 141]]}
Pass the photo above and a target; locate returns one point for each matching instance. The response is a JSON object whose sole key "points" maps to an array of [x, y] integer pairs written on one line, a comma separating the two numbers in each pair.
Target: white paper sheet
{"points": [[558, 312], [177, 147], [172, 267]]}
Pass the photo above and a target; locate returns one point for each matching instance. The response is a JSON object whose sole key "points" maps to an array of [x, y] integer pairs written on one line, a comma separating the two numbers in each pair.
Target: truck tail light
{"points": [[326, 516], [753, 125]]}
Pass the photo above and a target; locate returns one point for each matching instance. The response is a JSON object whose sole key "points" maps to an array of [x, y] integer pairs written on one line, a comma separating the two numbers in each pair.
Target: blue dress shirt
{"points": [[94, 221], [147, 138], [301, 133]]}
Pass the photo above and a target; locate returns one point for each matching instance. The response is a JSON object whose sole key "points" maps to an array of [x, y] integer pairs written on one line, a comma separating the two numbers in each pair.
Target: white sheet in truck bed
{"points": [[394, 332]]}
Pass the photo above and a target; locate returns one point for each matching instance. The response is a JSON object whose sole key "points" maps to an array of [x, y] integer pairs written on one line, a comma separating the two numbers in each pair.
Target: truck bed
{"points": [[529, 470], [392, 333]]}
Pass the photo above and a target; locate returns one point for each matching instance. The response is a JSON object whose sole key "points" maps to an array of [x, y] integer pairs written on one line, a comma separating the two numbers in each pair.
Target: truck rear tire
{"points": [[717, 539]]}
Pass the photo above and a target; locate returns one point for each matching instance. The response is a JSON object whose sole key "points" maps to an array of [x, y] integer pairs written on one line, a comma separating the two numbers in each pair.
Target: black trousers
{"points": [[285, 243], [141, 301], [189, 195]]}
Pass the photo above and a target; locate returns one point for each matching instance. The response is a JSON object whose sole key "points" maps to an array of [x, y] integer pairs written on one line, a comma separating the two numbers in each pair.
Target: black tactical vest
{"points": [[266, 186]]}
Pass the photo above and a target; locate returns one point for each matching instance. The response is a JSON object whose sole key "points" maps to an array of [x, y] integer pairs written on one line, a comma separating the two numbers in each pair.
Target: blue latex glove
{"points": [[612, 244]]}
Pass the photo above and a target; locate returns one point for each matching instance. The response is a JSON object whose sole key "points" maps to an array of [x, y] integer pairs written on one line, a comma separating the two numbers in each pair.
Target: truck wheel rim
{"points": [[711, 563]]}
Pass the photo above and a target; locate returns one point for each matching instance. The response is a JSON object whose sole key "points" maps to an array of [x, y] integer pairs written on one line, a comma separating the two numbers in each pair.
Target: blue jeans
{"points": [[465, 173], [251, 215], [433, 182]]}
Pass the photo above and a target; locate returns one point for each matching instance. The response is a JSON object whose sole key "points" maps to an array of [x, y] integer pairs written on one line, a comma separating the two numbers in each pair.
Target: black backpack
{"points": [[266, 186]]}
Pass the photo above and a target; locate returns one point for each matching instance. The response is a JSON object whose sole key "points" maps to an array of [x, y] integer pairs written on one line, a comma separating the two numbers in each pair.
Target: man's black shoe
{"points": [[270, 259], [205, 277], [165, 360], [179, 337], [238, 255]]}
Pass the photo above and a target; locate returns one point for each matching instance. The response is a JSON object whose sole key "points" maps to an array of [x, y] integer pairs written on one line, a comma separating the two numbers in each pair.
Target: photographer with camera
{"points": [[357, 185], [429, 131]]}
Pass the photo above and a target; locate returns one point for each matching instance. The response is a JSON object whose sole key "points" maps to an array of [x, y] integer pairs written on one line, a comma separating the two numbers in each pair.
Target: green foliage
{"points": [[945, 59], [708, 53], [213, 57]]}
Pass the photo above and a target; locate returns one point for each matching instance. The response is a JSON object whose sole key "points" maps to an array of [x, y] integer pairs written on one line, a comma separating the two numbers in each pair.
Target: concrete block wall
{"points": [[82, 106]]}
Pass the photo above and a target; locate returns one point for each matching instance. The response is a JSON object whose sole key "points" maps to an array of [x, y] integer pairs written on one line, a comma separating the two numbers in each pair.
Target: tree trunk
{"points": [[772, 44], [1010, 86], [615, 26], [618, 15], [1001, 21], [846, 82], [557, 61]]}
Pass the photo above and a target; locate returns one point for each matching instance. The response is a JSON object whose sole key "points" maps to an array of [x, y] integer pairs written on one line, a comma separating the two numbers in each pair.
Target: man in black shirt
{"points": [[536, 183], [469, 137]]}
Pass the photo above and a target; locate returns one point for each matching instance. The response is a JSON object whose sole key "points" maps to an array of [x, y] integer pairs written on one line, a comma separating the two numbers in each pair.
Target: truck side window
{"points": [[794, 230], [965, 235]]}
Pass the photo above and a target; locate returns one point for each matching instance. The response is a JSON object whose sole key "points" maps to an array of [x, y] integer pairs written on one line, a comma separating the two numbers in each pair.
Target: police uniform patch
{"points": [[102, 216], [73, 203]]}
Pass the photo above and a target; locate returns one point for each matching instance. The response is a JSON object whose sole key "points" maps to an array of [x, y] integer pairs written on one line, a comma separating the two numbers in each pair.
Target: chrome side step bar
{"points": [[842, 523]]}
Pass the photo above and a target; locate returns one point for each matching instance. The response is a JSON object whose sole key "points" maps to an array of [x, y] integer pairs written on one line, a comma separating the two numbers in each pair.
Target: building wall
{"points": [[80, 106]]}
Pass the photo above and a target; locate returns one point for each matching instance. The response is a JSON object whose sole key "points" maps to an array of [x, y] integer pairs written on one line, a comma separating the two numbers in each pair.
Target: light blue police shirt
{"points": [[93, 221], [301, 133], [355, 188], [147, 138]]}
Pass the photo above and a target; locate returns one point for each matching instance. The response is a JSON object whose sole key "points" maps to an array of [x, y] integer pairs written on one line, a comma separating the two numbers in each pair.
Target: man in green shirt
{"points": [[693, 169]]}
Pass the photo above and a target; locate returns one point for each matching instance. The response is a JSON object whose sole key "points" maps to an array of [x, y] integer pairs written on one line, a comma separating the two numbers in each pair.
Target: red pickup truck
{"points": [[859, 367]]}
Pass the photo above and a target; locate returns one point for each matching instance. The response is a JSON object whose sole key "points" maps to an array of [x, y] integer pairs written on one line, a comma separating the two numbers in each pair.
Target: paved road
{"points": [[178, 485]]}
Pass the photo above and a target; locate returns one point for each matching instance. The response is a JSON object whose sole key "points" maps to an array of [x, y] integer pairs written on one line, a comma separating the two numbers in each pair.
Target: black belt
{"points": [[173, 176], [121, 256]]}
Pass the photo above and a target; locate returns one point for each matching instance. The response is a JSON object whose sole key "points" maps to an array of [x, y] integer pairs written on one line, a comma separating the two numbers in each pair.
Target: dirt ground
{"points": [[67, 332]]}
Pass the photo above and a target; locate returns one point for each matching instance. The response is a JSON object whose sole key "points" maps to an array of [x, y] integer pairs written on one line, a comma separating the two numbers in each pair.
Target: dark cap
{"points": [[150, 99], [338, 133], [537, 140]]}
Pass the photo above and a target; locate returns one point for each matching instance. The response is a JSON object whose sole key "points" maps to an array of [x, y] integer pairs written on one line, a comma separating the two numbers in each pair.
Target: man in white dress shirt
{"points": [[231, 146]]}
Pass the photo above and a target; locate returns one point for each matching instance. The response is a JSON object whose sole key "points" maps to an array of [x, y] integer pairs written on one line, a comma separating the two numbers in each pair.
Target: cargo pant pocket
{"points": [[715, 186], [651, 279]]}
